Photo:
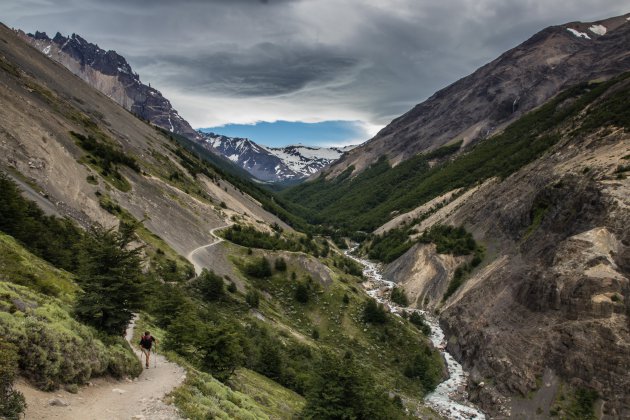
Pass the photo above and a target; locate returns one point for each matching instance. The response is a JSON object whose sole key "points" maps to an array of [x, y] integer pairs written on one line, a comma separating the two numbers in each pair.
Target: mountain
{"points": [[517, 239], [103, 214], [503, 90], [110, 73], [271, 164]]}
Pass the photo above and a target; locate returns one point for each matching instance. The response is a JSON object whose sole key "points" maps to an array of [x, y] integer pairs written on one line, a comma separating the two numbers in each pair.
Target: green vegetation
{"points": [[366, 201], [418, 320], [251, 237], [374, 312], [210, 285], [53, 239], [111, 280], [12, 402], [106, 158], [342, 391], [399, 297], [450, 240], [424, 368], [575, 403]]}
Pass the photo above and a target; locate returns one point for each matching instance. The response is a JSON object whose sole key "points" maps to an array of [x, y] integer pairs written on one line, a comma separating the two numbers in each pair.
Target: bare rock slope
{"points": [[43, 104]]}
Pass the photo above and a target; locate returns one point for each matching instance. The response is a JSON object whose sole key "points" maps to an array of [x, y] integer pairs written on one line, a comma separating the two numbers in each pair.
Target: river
{"points": [[450, 397]]}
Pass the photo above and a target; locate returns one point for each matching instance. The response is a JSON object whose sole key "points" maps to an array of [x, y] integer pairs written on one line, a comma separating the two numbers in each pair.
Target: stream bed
{"points": [[450, 397]]}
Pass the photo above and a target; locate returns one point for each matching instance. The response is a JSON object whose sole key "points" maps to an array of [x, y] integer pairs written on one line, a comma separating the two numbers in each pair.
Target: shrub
{"points": [[399, 297], [281, 264], [374, 312], [259, 268], [12, 402], [422, 367], [418, 320], [210, 285], [232, 287], [302, 293], [253, 298]]}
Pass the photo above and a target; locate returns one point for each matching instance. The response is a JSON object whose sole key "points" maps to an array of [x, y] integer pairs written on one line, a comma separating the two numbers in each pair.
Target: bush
{"points": [[259, 268], [399, 297], [341, 390], [232, 287], [374, 312], [210, 285], [55, 349], [302, 293], [281, 264], [418, 320], [423, 367], [12, 402], [253, 298]]}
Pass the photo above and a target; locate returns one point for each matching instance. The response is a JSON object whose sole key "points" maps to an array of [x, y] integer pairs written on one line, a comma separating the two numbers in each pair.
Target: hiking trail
{"points": [[111, 399], [196, 260]]}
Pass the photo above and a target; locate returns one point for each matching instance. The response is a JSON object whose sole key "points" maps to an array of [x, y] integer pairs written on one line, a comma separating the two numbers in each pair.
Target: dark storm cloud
{"points": [[367, 60], [261, 70]]}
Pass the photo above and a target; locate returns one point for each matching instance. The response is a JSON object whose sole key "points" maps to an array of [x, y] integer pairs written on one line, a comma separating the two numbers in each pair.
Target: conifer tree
{"points": [[111, 278]]}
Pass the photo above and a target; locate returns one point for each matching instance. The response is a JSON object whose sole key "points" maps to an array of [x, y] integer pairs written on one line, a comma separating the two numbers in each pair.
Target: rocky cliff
{"points": [[503, 90], [110, 73], [548, 312]]}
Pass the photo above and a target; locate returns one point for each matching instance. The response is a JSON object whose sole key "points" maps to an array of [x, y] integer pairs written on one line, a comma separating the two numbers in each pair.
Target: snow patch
{"points": [[578, 33], [46, 50], [598, 29]]}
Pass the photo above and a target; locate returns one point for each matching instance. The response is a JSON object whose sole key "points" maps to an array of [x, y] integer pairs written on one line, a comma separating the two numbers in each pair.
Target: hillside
{"points": [[278, 322], [533, 289], [500, 92], [111, 74]]}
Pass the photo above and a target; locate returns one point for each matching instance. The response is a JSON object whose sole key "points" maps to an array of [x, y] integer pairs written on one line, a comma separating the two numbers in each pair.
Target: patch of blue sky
{"points": [[284, 133]]}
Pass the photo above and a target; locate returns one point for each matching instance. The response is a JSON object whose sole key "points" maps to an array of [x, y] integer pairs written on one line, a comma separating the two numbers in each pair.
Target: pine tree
{"points": [[111, 278]]}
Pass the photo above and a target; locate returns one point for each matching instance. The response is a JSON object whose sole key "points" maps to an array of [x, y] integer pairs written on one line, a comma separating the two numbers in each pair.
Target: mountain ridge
{"points": [[499, 92]]}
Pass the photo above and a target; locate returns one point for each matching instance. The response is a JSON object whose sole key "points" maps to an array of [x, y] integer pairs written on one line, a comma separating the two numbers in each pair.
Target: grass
{"points": [[19, 266], [384, 350], [51, 343]]}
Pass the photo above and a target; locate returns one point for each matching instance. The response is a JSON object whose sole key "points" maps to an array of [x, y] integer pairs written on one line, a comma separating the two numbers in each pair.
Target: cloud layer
{"points": [[241, 61]]}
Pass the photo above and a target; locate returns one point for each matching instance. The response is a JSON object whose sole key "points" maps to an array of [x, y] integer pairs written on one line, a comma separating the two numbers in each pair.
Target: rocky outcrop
{"points": [[423, 274], [502, 90], [110, 73], [552, 297]]}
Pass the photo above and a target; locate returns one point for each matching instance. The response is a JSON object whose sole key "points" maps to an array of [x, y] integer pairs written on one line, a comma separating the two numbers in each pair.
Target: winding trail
{"points": [[450, 397], [109, 399], [191, 255]]}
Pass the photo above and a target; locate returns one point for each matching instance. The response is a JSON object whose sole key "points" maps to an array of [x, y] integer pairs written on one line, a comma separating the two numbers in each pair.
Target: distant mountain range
{"points": [[110, 73], [273, 164]]}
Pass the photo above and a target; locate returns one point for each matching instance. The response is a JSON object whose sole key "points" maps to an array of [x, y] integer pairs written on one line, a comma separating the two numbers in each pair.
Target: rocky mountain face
{"points": [[271, 164], [498, 93], [110, 73], [548, 312], [62, 139]]}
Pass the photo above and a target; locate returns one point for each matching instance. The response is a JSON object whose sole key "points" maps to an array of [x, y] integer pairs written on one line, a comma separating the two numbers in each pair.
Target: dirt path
{"points": [[192, 255], [110, 399]]}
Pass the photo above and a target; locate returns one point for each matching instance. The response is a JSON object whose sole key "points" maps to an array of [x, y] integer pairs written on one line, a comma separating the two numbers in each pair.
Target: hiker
{"points": [[146, 342]]}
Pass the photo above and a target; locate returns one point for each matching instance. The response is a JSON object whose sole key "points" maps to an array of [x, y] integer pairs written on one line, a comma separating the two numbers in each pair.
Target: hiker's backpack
{"points": [[145, 341]]}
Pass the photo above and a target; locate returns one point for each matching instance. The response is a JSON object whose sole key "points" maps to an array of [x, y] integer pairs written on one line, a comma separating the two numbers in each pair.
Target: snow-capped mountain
{"points": [[273, 164]]}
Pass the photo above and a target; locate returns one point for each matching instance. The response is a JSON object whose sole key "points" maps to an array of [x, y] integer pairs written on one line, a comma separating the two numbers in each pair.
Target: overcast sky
{"points": [[242, 61]]}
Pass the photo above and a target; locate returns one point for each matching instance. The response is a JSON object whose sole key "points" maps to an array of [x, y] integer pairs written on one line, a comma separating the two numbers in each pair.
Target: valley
{"points": [[472, 260]]}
